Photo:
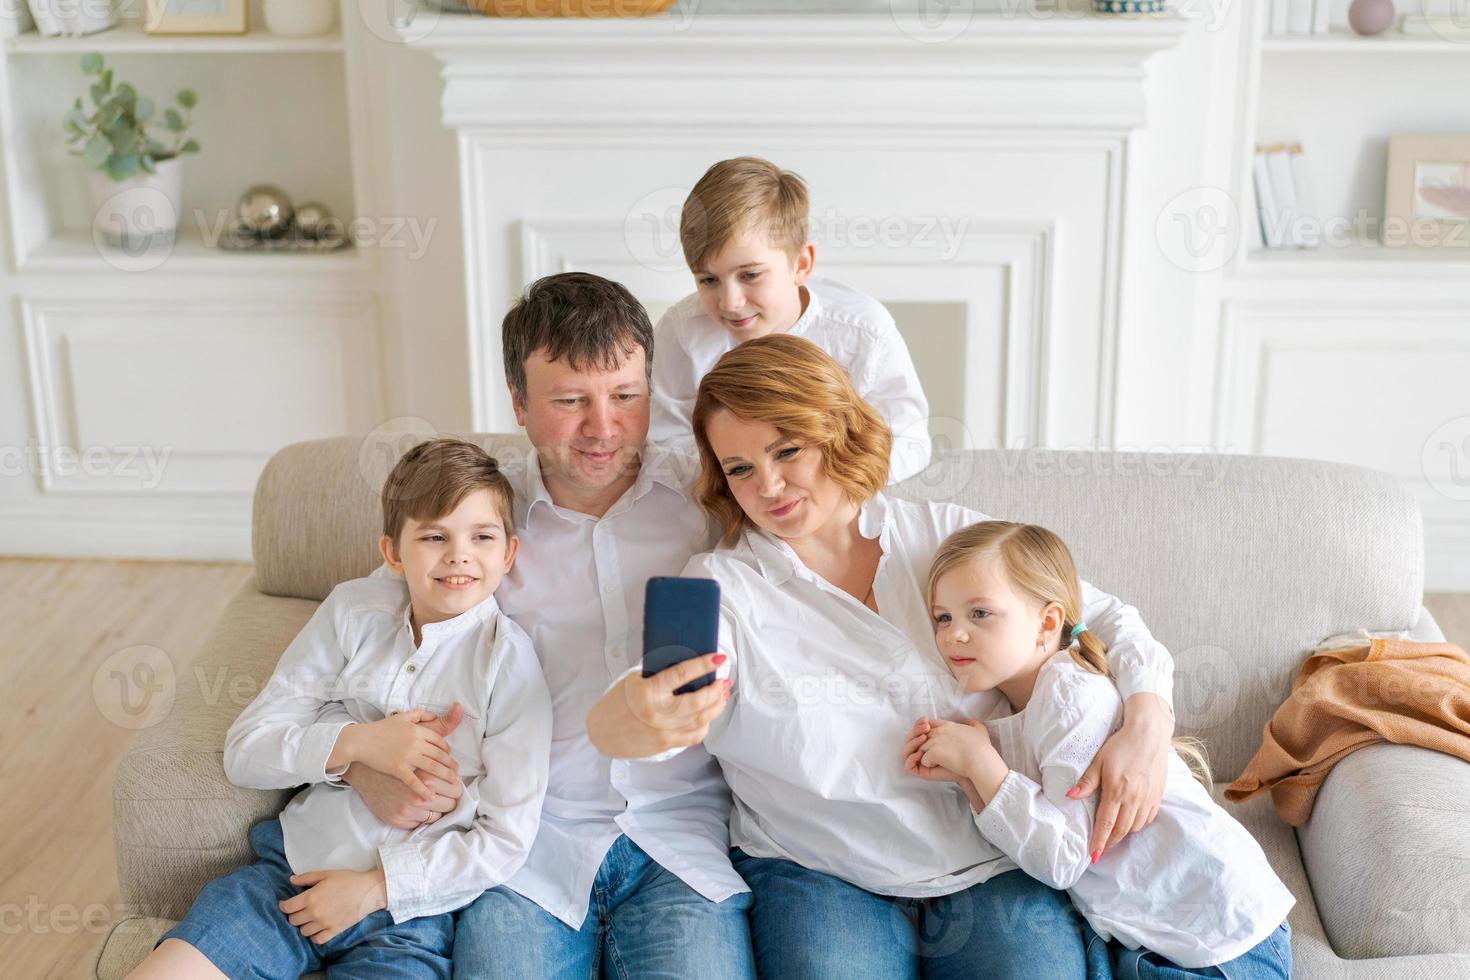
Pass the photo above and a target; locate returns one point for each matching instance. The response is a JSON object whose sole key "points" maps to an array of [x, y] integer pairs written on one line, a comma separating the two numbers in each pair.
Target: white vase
{"points": [[300, 18], [140, 212]]}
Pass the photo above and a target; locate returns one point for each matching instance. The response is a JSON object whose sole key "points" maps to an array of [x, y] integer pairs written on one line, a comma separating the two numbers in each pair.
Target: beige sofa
{"points": [[1239, 564]]}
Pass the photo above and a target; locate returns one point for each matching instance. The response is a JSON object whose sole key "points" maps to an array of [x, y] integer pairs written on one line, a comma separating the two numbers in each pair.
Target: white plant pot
{"points": [[300, 18], [142, 211]]}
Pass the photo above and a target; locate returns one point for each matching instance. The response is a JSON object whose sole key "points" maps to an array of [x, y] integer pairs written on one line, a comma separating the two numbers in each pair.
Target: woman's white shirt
{"points": [[826, 690], [1193, 886]]}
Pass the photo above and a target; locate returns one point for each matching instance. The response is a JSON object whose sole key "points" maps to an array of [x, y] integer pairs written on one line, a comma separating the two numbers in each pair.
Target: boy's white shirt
{"points": [[853, 328], [826, 692], [355, 661], [1193, 886]]}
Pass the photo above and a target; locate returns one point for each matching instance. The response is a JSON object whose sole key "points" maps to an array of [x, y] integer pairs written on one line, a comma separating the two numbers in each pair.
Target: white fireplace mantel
{"points": [[869, 70], [578, 139]]}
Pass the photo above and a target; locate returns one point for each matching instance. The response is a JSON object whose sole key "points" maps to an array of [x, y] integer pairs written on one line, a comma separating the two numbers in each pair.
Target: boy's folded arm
{"points": [[285, 735], [1038, 826], [430, 876]]}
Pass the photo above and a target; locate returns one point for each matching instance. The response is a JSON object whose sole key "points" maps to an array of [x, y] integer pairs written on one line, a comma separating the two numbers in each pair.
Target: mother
{"points": [[858, 868]]}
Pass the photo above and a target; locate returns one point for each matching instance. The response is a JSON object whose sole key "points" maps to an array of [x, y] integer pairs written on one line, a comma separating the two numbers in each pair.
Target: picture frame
{"points": [[197, 17], [1426, 200]]}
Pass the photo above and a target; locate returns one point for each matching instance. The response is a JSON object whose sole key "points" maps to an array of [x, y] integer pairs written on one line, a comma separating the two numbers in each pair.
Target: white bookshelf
{"points": [[1300, 342], [221, 356], [295, 93], [1342, 96], [129, 37], [74, 251], [1341, 40]]}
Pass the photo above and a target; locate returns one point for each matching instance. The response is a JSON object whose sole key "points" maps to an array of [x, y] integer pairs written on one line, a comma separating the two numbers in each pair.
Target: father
{"points": [[630, 873]]}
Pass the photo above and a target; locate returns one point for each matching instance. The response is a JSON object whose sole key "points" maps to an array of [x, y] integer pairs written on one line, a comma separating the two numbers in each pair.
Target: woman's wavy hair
{"points": [[1040, 566], [792, 384]]}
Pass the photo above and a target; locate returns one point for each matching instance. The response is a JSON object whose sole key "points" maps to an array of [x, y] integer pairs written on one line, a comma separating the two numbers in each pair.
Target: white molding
{"points": [[234, 472], [1016, 72], [1251, 332], [39, 533]]}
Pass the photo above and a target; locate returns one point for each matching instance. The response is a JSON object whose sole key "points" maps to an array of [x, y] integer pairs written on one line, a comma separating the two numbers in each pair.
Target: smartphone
{"points": [[681, 620]]}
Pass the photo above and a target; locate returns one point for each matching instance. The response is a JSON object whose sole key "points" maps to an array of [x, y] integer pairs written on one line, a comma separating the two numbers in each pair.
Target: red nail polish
{"points": [[1095, 856], [1072, 793], [719, 658]]}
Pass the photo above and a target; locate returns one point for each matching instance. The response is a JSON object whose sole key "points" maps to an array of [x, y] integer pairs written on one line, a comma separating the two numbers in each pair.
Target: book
{"points": [[1250, 221], [1299, 17], [1308, 224], [57, 17], [1278, 166], [1279, 9], [15, 18], [1321, 16], [1265, 200]]}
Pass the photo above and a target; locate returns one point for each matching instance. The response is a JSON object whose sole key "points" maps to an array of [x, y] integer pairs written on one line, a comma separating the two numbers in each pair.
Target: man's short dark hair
{"points": [[585, 319]]}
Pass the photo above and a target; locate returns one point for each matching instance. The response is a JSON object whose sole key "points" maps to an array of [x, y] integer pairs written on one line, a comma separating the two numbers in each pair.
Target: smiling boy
{"points": [[413, 672], [744, 234]]}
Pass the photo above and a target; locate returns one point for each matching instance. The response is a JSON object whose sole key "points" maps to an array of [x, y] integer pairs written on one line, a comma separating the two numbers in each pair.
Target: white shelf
{"points": [[128, 38], [1340, 40], [1360, 262], [75, 250]]}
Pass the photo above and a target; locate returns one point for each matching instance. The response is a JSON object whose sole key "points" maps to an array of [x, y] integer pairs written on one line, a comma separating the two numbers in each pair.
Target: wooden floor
{"points": [[61, 620]]}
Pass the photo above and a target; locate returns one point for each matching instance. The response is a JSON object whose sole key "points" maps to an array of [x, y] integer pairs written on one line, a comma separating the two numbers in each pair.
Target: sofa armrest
{"points": [[1387, 849], [177, 822]]}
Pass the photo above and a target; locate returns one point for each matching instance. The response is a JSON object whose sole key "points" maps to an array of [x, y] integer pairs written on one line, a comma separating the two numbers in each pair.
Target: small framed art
{"points": [[197, 17], [1427, 197]]}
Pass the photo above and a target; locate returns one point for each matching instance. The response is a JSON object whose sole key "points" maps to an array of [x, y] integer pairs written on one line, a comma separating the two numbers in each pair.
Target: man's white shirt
{"points": [[577, 588]]}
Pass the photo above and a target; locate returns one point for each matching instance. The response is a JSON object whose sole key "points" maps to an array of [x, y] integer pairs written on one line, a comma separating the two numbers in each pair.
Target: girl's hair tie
{"points": [[1079, 628]]}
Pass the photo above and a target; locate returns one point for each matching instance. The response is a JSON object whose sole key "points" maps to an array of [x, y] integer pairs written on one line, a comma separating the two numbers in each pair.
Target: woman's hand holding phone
{"points": [[642, 716]]}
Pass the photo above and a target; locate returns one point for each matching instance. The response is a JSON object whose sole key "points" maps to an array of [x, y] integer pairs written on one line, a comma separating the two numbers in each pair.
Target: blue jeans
{"points": [[807, 925], [1270, 959], [643, 923], [236, 924]]}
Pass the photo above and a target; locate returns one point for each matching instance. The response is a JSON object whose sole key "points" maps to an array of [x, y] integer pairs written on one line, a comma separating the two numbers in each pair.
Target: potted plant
{"points": [[137, 179]]}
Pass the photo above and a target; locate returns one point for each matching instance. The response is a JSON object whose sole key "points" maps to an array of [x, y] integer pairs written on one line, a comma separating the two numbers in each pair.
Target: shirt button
{"points": [[411, 668]]}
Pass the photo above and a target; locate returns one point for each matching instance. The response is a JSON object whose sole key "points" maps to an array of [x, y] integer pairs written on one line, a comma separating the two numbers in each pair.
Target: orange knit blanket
{"points": [[1388, 691]]}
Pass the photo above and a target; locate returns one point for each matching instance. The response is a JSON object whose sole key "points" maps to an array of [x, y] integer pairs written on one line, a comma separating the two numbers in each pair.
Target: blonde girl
{"points": [[1189, 895]]}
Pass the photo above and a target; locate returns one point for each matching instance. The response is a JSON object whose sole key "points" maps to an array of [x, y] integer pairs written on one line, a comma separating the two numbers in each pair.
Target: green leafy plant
{"points": [[116, 137]]}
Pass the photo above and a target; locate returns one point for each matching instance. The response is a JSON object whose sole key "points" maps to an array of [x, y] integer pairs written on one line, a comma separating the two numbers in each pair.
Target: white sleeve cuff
{"points": [[317, 743], [1148, 682], [406, 877], [998, 821]]}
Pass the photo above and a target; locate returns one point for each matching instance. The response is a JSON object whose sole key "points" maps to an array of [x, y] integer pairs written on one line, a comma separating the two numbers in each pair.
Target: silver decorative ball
{"points": [[265, 210], [312, 219]]}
